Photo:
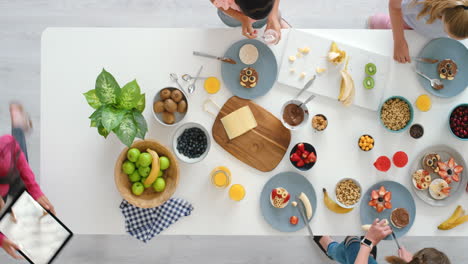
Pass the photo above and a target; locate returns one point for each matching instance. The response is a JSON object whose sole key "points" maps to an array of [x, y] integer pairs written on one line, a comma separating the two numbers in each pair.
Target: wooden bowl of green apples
{"points": [[146, 174]]}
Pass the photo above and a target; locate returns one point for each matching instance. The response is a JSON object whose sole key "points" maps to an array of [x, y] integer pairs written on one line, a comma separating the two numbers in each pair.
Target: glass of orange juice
{"points": [[237, 192], [221, 177]]}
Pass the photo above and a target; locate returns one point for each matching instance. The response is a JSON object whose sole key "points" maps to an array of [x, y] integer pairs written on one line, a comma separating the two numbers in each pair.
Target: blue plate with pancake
{"points": [[266, 67], [294, 183], [401, 198], [441, 49]]}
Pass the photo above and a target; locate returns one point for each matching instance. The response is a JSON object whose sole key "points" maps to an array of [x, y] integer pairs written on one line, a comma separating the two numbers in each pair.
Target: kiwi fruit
{"points": [[158, 107], [170, 105], [165, 94], [368, 83], [370, 69], [168, 118], [182, 106], [176, 95]]}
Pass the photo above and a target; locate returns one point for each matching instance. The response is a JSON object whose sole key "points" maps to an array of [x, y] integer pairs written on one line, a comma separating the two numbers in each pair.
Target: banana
{"points": [[367, 227], [332, 205], [154, 168], [455, 220], [347, 90]]}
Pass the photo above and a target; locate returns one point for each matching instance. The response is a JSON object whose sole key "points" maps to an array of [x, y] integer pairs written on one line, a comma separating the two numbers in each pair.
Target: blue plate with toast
{"points": [[265, 66], [294, 183], [444, 49], [401, 198]]}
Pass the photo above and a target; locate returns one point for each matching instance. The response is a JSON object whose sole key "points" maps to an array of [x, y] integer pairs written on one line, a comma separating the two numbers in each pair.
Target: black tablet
{"points": [[40, 234]]}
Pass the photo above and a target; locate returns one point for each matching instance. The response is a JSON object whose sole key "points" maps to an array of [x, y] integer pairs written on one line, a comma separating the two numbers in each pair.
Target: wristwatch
{"points": [[366, 242]]}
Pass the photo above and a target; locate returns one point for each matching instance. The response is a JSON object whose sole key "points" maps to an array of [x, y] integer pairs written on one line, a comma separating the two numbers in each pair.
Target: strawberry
{"points": [[373, 203], [300, 163], [388, 205], [293, 220], [374, 195], [382, 191], [287, 198], [298, 152], [312, 158], [301, 147], [380, 208], [294, 157], [306, 161], [305, 154], [456, 178], [388, 197]]}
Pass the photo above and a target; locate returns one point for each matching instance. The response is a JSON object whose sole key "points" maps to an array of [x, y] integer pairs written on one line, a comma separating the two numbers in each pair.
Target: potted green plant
{"points": [[117, 110]]}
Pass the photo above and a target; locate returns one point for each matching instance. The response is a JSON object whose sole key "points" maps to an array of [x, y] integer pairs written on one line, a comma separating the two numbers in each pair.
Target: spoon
{"points": [[187, 77], [435, 83], [174, 77], [308, 84], [308, 100], [191, 87]]}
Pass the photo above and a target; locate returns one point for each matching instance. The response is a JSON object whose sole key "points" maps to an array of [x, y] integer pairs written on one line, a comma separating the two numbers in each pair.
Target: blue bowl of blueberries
{"points": [[191, 142]]}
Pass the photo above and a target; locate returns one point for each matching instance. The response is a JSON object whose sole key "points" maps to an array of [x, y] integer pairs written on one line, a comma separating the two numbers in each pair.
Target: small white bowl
{"points": [[304, 108], [179, 132], [178, 116], [348, 206]]}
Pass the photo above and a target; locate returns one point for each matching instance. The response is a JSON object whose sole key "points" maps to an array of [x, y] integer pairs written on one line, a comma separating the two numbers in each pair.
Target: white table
{"points": [[77, 164]]}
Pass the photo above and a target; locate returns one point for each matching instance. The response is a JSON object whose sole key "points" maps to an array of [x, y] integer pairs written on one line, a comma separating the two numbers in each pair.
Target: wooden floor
{"points": [[21, 25]]}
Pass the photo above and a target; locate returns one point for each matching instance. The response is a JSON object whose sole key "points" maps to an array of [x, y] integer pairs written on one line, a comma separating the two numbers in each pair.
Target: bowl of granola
{"points": [[396, 114], [348, 192]]}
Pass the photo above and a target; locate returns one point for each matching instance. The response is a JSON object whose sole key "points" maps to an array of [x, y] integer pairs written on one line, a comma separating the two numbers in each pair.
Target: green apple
{"points": [[133, 154], [144, 171], [128, 167], [164, 163], [138, 188], [159, 185], [160, 173], [146, 185], [134, 177], [145, 159]]}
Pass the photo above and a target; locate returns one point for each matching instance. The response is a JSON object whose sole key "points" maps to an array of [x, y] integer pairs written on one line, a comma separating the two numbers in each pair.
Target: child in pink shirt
{"points": [[15, 173], [251, 15]]}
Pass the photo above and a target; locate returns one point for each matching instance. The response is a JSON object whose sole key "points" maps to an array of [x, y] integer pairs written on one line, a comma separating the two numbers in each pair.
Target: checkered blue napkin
{"points": [[145, 223]]}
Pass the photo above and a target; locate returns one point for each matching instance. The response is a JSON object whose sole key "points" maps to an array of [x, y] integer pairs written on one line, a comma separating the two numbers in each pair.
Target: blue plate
{"points": [[401, 198], [295, 183], [266, 67], [441, 49]]}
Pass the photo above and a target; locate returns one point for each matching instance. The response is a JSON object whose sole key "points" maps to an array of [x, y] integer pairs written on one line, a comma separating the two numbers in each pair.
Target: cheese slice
{"points": [[239, 122]]}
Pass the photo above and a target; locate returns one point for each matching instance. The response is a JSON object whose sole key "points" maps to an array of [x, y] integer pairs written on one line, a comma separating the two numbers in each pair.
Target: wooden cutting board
{"points": [[262, 147]]}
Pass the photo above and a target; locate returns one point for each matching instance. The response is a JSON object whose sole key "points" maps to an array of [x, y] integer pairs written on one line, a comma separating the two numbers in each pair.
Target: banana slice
{"points": [[307, 205]]}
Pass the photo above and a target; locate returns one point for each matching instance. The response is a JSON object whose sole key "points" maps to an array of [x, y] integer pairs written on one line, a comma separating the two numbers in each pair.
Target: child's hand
{"points": [[247, 29], [274, 24], [11, 248], [401, 51], [405, 254]]}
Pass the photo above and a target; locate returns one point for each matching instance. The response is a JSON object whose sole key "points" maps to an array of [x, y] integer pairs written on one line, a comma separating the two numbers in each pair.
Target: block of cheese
{"points": [[239, 122]]}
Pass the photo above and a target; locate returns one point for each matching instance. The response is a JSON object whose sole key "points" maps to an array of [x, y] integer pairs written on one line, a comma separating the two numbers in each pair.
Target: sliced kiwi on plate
{"points": [[368, 82], [371, 69]]}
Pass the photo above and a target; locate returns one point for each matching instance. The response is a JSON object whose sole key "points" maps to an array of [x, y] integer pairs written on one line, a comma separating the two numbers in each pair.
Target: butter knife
{"points": [[223, 59], [396, 240], [308, 84], [425, 60], [301, 208]]}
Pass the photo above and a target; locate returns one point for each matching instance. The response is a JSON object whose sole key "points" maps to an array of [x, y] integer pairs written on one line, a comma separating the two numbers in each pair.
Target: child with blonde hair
{"points": [[431, 18]]}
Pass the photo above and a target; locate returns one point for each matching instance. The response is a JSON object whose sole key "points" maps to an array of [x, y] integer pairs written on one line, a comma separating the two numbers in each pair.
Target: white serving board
{"points": [[328, 83]]}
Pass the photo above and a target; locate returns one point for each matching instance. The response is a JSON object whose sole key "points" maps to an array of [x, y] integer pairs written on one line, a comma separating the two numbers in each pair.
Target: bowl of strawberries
{"points": [[303, 156]]}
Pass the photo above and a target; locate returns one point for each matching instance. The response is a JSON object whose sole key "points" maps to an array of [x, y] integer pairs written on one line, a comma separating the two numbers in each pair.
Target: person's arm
{"points": [[378, 231], [400, 46], [273, 21], [27, 174], [29, 180], [405, 254], [363, 255], [247, 29]]}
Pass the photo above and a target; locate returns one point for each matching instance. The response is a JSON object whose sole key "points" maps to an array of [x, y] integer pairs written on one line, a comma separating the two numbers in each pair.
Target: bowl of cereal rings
{"points": [[348, 193]]}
